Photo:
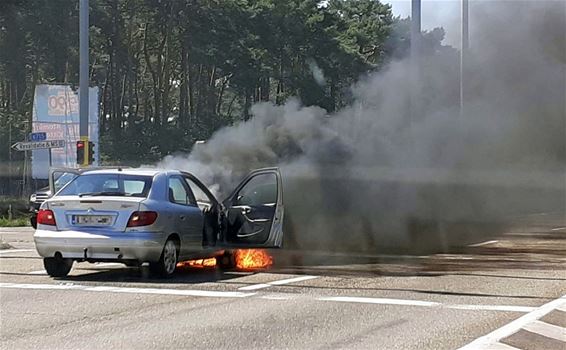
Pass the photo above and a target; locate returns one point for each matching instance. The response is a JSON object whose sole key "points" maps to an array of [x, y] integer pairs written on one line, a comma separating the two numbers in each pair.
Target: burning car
{"points": [[133, 216]]}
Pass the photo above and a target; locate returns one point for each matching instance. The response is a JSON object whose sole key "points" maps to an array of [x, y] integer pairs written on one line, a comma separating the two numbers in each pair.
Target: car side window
{"points": [[179, 192], [259, 190], [202, 199]]}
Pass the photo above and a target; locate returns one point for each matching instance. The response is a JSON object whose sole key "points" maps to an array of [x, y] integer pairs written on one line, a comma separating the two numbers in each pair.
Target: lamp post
{"points": [[465, 41], [83, 72], [415, 29], [414, 98]]}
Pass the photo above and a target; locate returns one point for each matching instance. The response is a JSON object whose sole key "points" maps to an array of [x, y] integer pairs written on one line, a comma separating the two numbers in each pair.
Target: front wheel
{"points": [[57, 267], [167, 263]]}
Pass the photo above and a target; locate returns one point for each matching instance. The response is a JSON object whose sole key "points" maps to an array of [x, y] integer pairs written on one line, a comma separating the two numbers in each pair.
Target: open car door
{"points": [[59, 177], [254, 212]]}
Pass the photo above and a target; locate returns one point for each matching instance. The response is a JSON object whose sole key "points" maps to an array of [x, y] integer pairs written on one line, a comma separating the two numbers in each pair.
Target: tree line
{"points": [[171, 72]]}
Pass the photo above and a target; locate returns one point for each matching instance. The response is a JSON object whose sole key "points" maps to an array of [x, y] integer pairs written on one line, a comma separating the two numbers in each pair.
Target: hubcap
{"points": [[170, 257]]}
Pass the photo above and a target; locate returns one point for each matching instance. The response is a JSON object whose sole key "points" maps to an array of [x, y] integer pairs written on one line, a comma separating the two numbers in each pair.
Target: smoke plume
{"points": [[402, 167]]}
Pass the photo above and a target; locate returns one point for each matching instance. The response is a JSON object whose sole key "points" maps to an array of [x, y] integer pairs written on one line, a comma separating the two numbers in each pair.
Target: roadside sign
{"points": [[38, 136], [29, 146]]}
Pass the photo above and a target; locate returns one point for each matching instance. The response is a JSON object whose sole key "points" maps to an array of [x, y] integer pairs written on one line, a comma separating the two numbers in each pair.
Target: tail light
{"points": [[46, 217], [142, 218]]}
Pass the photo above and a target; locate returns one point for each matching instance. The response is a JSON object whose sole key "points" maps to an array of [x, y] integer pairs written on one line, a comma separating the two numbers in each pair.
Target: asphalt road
{"points": [[508, 289]]}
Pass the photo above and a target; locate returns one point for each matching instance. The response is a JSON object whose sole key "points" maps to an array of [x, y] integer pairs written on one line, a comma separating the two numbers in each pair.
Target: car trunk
{"points": [[101, 212]]}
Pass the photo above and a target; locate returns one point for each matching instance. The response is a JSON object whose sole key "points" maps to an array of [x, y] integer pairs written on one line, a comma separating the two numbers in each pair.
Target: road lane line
{"points": [[558, 229], [384, 301], [277, 283], [562, 307], [9, 251], [547, 330], [511, 308], [38, 272], [222, 294], [409, 302], [158, 291], [486, 341]]}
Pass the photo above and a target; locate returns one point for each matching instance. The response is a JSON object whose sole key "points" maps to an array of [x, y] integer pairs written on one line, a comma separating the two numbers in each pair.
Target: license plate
{"points": [[99, 220]]}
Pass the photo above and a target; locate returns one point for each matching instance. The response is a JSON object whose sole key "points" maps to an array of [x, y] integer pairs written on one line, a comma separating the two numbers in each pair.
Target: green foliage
{"points": [[171, 72], [18, 222]]}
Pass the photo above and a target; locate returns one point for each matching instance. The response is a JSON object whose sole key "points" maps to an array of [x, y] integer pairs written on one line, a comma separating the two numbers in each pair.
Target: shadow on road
{"points": [[184, 275]]}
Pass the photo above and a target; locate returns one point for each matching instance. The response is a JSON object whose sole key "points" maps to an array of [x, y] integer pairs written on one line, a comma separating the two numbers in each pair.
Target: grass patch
{"points": [[16, 222]]}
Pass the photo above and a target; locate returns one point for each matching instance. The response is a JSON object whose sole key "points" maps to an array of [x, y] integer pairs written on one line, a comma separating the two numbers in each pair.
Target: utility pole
{"points": [[415, 29], [83, 75], [465, 41], [10, 155], [414, 97]]}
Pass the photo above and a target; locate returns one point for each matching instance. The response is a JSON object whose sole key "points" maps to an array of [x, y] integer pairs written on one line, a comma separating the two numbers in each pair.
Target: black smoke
{"points": [[401, 168]]}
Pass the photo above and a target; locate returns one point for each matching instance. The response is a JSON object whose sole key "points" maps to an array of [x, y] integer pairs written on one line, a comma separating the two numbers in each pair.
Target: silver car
{"points": [[161, 217]]}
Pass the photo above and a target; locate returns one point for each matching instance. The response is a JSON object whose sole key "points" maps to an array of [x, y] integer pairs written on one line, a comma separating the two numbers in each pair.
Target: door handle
{"points": [[244, 208], [182, 217]]}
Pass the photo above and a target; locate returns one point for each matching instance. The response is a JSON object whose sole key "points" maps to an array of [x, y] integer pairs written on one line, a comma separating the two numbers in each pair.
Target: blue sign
{"points": [[38, 136]]}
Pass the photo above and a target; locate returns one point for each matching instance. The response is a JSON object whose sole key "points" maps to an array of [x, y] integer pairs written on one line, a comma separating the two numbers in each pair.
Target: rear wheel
{"points": [[57, 267], [33, 221], [226, 261], [167, 263]]}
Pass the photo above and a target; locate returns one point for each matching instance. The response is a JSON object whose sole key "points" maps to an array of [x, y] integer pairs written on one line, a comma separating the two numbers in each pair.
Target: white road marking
{"points": [[158, 291], [483, 243], [562, 307], [9, 251], [558, 229], [547, 330], [277, 283], [38, 272], [221, 294], [511, 308], [384, 301], [488, 340]]}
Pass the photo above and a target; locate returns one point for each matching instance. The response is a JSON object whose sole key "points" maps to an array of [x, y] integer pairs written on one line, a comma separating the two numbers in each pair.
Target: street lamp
{"points": [[83, 73], [465, 41]]}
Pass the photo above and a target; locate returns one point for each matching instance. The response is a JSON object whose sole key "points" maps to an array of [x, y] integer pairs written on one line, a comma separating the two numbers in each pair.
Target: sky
{"points": [[435, 13]]}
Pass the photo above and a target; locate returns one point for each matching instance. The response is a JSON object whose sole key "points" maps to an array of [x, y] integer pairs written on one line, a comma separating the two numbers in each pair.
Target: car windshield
{"points": [[108, 185]]}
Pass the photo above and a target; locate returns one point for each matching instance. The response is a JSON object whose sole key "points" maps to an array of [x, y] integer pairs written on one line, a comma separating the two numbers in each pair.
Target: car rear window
{"points": [[108, 185]]}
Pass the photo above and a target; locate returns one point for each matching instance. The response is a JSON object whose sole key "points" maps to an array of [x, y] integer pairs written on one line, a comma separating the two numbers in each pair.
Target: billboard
{"points": [[56, 112]]}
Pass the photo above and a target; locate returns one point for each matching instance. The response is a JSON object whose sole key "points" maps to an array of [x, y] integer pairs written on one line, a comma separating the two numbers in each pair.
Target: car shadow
{"points": [[183, 275]]}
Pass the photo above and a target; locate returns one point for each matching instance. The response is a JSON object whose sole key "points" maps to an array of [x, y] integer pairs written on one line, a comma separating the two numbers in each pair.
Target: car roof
{"points": [[131, 171]]}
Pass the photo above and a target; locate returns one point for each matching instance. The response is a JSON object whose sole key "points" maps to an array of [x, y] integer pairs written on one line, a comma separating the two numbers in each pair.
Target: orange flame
{"points": [[210, 262], [252, 259]]}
